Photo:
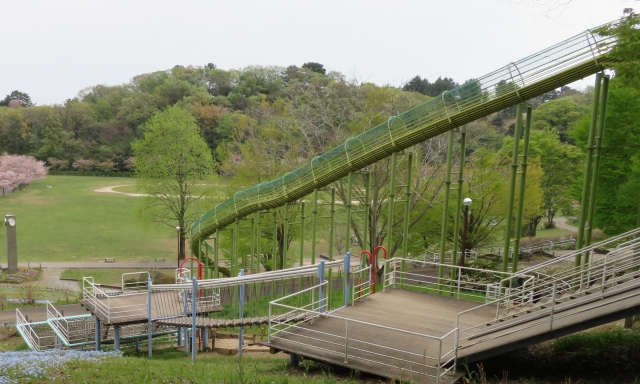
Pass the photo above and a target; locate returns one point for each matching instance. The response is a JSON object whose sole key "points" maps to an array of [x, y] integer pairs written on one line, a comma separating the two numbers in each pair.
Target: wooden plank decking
{"points": [[372, 345]]}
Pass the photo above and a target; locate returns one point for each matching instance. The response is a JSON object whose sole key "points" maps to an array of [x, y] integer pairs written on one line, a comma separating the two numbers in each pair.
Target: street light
{"points": [[178, 232], [466, 202]]}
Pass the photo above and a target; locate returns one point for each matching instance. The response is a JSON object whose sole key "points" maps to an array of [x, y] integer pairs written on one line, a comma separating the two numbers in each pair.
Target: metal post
{"points": [[259, 241], [321, 278], [241, 313], [523, 180], [553, 304], [116, 337], [150, 318], [365, 230], [207, 272], [348, 209], [456, 222], [302, 225], [407, 210], [584, 204], [98, 335], [235, 260], [333, 222], [346, 341], [275, 263], [194, 318], [512, 187], [205, 339], [285, 236], [596, 162], [315, 226], [445, 211], [215, 255], [253, 246], [347, 272], [392, 199]]}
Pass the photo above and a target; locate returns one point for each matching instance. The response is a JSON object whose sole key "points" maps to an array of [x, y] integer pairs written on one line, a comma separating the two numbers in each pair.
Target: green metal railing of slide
{"points": [[561, 64]]}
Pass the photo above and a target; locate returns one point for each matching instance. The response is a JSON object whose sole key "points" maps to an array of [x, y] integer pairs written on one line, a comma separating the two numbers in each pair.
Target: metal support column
{"points": [[276, 256], [348, 209], [241, 313], [194, 317], [456, 222], [512, 187], [392, 199], [259, 241], [584, 203], [302, 225], [315, 226], [253, 246], [523, 181], [596, 162], [285, 236], [332, 225], [98, 334], [116, 337], [445, 210], [216, 259], [407, 210]]}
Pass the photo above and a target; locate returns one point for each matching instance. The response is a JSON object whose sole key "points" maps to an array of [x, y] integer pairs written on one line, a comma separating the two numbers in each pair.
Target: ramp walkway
{"points": [[420, 331]]}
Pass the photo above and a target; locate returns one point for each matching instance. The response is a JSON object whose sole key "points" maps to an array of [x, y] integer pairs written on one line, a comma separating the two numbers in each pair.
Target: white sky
{"points": [[53, 49]]}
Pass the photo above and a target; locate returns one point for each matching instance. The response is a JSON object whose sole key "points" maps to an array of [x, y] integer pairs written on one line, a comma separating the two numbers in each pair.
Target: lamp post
{"points": [[178, 232], [466, 202]]}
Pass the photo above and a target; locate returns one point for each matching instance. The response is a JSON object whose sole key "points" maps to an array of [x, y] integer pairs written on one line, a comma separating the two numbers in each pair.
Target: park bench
{"points": [[110, 260], [324, 256]]}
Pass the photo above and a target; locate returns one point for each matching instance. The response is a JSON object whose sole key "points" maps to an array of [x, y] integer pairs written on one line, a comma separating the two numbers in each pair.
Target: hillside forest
{"points": [[260, 122]]}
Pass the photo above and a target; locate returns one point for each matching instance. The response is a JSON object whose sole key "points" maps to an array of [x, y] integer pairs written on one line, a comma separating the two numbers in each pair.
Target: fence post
{"points": [[459, 280], [149, 317], [553, 304], [347, 274], [320, 293], [241, 328], [194, 318], [346, 342]]}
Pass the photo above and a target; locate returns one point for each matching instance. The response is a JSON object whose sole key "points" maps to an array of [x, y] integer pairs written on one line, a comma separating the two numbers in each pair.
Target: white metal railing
{"points": [[457, 281], [599, 278], [437, 353], [37, 335], [70, 329], [136, 284], [361, 283], [104, 305]]}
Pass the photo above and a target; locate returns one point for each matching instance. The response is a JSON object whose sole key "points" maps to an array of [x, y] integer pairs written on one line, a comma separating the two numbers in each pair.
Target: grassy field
{"points": [[71, 222]]}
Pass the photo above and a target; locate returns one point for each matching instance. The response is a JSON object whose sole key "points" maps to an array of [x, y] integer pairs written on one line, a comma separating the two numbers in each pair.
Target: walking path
{"points": [[110, 190], [561, 222]]}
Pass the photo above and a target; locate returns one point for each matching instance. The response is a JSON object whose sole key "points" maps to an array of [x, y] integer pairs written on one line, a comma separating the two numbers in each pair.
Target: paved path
{"points": [[102, 264], [110, 190], [561, 222]]}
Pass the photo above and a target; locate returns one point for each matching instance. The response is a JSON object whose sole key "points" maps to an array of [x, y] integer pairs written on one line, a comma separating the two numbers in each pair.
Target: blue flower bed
{"points": [[31, 364]]}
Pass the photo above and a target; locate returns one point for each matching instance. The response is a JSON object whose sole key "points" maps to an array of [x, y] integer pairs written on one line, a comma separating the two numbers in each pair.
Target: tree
{"points": [[617, 197], [560, 114], [170, 164], [315, 67], [17, 171], [22, 98]]}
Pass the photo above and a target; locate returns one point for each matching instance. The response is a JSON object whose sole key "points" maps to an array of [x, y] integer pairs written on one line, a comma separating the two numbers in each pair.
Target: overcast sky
{"points": [[53, 49]]}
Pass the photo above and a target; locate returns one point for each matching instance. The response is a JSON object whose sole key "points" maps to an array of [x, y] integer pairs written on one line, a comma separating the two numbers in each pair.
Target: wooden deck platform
{"points": [[372, 345], [386, 333]]}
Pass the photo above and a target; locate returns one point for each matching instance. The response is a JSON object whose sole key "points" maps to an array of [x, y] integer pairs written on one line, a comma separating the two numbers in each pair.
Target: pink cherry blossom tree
{"points": [[17, 171]]}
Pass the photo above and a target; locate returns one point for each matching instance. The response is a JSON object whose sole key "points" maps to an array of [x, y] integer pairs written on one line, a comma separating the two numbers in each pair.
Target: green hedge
{"points": [[90, 173]]}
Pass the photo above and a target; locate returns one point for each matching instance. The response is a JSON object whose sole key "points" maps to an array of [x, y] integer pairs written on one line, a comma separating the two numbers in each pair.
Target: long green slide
{"points": [[561, 64]]}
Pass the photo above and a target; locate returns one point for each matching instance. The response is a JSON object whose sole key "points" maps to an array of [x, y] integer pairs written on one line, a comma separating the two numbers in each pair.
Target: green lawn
{"points": [[71, 222]]}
